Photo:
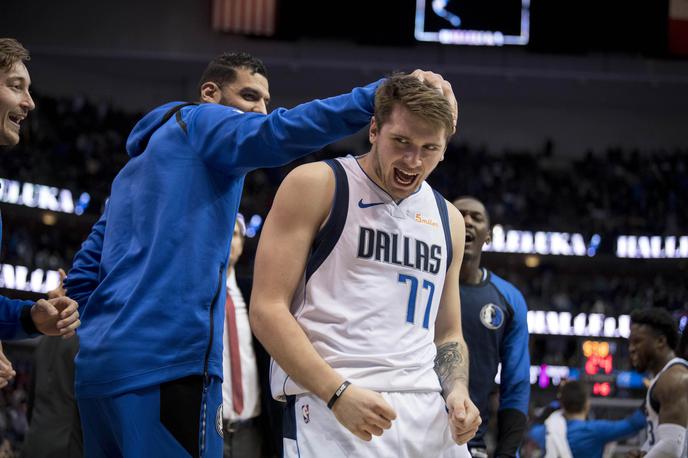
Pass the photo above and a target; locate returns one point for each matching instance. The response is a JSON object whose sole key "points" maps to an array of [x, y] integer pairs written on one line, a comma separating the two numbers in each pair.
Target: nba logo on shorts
{"points": [[306, 412], [491, 316]]}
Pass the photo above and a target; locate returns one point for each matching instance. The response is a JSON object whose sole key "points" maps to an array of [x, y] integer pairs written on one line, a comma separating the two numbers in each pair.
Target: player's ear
{"points": [[488, 239], [373, 130], [662, 340], [210, 92]]}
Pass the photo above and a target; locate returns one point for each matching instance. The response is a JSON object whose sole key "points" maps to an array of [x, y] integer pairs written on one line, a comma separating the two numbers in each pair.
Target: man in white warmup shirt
{"points": [[356, 292]]}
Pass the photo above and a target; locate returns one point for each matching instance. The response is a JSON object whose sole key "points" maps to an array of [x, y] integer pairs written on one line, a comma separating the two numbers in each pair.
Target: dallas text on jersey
{"points": [[384, 247]]}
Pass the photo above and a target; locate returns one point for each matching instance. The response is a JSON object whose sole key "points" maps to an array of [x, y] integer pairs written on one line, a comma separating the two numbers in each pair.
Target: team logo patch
{"points": [[306, 412], [218, 421], [492, 316]]}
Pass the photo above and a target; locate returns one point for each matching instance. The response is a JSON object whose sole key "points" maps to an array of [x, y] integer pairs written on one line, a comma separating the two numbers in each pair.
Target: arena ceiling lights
{"points": [[651, 247], [541, 242], [42, 197], [576, 244], [20, 278]]}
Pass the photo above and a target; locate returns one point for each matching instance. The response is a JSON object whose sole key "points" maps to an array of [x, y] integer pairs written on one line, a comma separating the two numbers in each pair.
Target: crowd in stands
{"points": [[75, 144], [79, 145], [14, 423], [608, 294]]}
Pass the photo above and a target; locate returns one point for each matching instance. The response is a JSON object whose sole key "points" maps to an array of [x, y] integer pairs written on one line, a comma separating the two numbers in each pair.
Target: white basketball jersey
{"points": [[372, 286], [652, 407]]}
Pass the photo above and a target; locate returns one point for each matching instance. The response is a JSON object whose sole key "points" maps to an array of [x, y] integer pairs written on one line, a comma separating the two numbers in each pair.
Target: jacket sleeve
{"points": [[15, 315], [83, 277], [609, 430], [515, 380], [537, 434], [15, 319], [236, 143]]}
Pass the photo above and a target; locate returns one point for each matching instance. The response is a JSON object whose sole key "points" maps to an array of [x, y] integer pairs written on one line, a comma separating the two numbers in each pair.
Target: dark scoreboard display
{"points": [[473, 22]]}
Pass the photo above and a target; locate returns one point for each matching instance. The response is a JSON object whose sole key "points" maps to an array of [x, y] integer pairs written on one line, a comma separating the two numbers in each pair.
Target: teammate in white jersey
{"points": [[356, 292], [654, 334]]}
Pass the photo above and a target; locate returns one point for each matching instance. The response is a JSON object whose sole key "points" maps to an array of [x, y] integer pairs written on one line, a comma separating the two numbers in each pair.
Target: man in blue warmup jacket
{"points": [[151, 275], [568, 433], [493, 319], [19, 318]]}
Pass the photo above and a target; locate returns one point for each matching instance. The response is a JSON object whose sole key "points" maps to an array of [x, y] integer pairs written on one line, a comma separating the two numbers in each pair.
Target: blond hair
{"points": [[418, 97], [11, 52]]}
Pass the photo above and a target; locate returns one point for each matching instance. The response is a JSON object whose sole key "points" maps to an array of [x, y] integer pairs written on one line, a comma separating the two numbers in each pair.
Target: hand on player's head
{"points": [[436, 80], [364, 412]]}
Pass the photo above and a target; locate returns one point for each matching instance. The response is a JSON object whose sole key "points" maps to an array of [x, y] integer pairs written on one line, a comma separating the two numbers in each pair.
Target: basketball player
{"points": [[493, 314], [152, 273], [653, 337], [356, 293], [20, 319]]}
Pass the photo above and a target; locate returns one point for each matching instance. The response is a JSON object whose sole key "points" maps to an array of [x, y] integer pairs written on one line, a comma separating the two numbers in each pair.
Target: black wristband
{"points": [[27, 322], [337, 394]]}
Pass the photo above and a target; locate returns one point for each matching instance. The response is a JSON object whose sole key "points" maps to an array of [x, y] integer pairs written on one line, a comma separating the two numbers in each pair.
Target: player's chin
{"points": [[8, 138]]}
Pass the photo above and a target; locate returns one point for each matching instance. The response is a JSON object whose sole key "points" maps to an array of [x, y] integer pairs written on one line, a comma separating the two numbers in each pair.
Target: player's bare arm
{"points": [[671, 390], [451, 362], [300, 209]]}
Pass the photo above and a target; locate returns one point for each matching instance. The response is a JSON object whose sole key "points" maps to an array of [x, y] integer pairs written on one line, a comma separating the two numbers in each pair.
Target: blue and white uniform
{"points": [[652, 408], [368, 302]]}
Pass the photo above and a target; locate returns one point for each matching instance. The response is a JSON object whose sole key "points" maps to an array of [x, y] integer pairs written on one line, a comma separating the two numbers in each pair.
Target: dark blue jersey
{"points": [[494, 322]]}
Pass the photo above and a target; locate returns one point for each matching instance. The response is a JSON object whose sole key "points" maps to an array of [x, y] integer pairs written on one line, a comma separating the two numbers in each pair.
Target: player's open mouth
{"points": [[469, 237], [15, 120], [403, 178]]}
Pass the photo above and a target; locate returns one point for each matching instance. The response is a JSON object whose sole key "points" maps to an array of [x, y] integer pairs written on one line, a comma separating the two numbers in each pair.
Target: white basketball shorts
{"points": [[421, 430]]}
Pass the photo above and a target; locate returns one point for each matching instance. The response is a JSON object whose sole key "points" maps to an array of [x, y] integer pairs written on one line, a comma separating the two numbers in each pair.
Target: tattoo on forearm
{"points": [[451, 365]]}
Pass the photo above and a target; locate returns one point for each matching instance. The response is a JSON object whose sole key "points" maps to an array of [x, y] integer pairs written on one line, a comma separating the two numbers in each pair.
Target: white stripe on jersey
{"points": [[369, 309], [652, 414]]}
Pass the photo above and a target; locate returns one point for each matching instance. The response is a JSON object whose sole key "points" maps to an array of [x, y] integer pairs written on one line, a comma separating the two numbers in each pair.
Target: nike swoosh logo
{"points": [[372, 204]]}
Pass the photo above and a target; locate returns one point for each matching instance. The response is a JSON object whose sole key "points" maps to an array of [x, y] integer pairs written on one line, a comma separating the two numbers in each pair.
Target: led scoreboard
{"points": [[599, 365], [473, 22]]}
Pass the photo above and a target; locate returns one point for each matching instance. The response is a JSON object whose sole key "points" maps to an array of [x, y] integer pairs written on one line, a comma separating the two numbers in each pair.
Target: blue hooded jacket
{"points": [[150, 277]]}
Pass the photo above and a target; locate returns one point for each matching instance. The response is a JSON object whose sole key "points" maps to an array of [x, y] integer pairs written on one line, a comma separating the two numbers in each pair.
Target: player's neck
{"points": [[471, 273], [576, 416], [662, 361]]}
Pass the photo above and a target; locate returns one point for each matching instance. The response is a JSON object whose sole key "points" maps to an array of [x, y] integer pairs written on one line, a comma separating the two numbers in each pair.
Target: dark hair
{"points": [[467, 197], [11, 52], [573, 396], [660, 320], [222, 69], [418, 97]]}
